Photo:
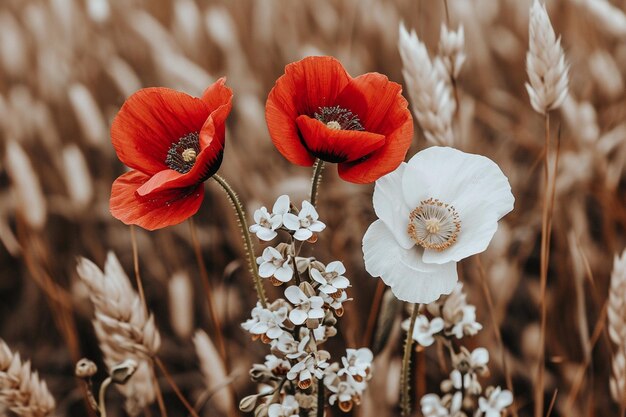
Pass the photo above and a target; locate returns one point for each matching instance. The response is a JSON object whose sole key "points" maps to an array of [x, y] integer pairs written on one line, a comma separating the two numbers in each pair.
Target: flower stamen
{"points": [[338, 118], [182, 154], [434, 225]]}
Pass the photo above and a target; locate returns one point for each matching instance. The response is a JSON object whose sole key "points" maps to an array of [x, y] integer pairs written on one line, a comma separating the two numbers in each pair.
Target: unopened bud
{"points": [[85, 368], [248, 403]]}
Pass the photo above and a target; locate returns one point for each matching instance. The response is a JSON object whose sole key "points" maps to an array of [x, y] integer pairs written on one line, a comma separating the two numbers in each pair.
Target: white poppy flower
{"points": [[288, 408], [497, 401], [305, 307], [266, 223], [305, 223], [273, 264], [440, 207], [425, 330], [332, 280]]}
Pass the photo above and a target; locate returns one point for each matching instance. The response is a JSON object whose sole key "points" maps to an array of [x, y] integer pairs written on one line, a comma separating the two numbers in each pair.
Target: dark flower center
{"points": [[182, 154], [338, 118]]}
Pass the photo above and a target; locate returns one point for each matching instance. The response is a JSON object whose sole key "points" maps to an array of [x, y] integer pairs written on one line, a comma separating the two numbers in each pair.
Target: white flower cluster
{"points": [[302, 224], [450, 317], [295, 326], [463, 393]]}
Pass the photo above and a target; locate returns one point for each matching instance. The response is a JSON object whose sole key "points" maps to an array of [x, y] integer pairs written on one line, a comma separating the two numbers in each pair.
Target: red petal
{"points": [[306, 86], [381, 109], [159, 210], [219, 99], [337, 145], [376, 101], [150, 121]]}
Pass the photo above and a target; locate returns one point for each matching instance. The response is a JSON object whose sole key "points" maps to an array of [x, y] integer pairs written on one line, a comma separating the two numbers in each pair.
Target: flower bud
{"points": [[248, 403], [85, 368]]}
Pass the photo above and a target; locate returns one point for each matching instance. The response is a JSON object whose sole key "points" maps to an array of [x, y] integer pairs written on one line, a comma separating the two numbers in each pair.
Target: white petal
{"points": [[328, 289], [410, 279], [308, 210], [336, 266], [504, 399], [304, 375], [276, 221], [281, 206], [297, 316], [341, 283], [317, 276], [436, 325], [273, 253], [291, 221], [259, 214], [267, 269], [266, 234], [316, 313], [317, 226], [390, 207], [480, 356], [284, 273], [316, 302], [274, 332], [295, 295], [302, 234]]}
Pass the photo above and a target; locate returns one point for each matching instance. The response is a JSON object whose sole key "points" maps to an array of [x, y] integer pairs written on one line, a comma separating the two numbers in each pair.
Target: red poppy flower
{"points": [[316, 110], [173, 142]]}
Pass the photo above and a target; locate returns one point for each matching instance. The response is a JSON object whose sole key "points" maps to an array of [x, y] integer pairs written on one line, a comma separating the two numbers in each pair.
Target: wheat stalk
{"points": [[124, 329], [617, 328], [21, 390], [433, 104]]}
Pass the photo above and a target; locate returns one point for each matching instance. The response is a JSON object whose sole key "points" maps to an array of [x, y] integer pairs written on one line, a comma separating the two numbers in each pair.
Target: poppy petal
{"points": [[219, 99], [306, 86], [382, 109], [150, 121], [156, 211], [337, 145]]}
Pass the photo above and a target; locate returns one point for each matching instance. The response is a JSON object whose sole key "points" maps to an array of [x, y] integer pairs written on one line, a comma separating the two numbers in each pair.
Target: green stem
{"points": [[103, 389], [405, 399], [247, 240], [316, 180]]}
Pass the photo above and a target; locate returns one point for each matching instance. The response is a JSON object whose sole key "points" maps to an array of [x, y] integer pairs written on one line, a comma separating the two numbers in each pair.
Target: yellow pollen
{"points": [[434, 225], [189, 155], [334, 125]]}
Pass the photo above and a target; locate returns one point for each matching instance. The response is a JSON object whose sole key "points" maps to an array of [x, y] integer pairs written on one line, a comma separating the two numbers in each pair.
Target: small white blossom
{"points": [[336, 303], [345, 391], [286, 345], [267, 322], [448, 406], [305, 223], [497, 400], [288, 408], [461, 381], [273, 264], [357, 363], [306, 369], [322, 333], [332, 280], [305, 307], [468, 324], [266, 223], [458, 316], [277, 365], [425, 330]]}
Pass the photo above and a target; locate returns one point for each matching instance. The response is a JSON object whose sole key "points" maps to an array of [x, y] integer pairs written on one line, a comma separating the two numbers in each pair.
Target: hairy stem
{"points": [[316, 180], [405, 400], [247, 240]]}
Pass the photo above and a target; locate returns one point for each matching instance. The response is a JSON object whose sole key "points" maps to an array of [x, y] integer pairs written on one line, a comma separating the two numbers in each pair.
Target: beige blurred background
{"points": [[66, 66]]}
